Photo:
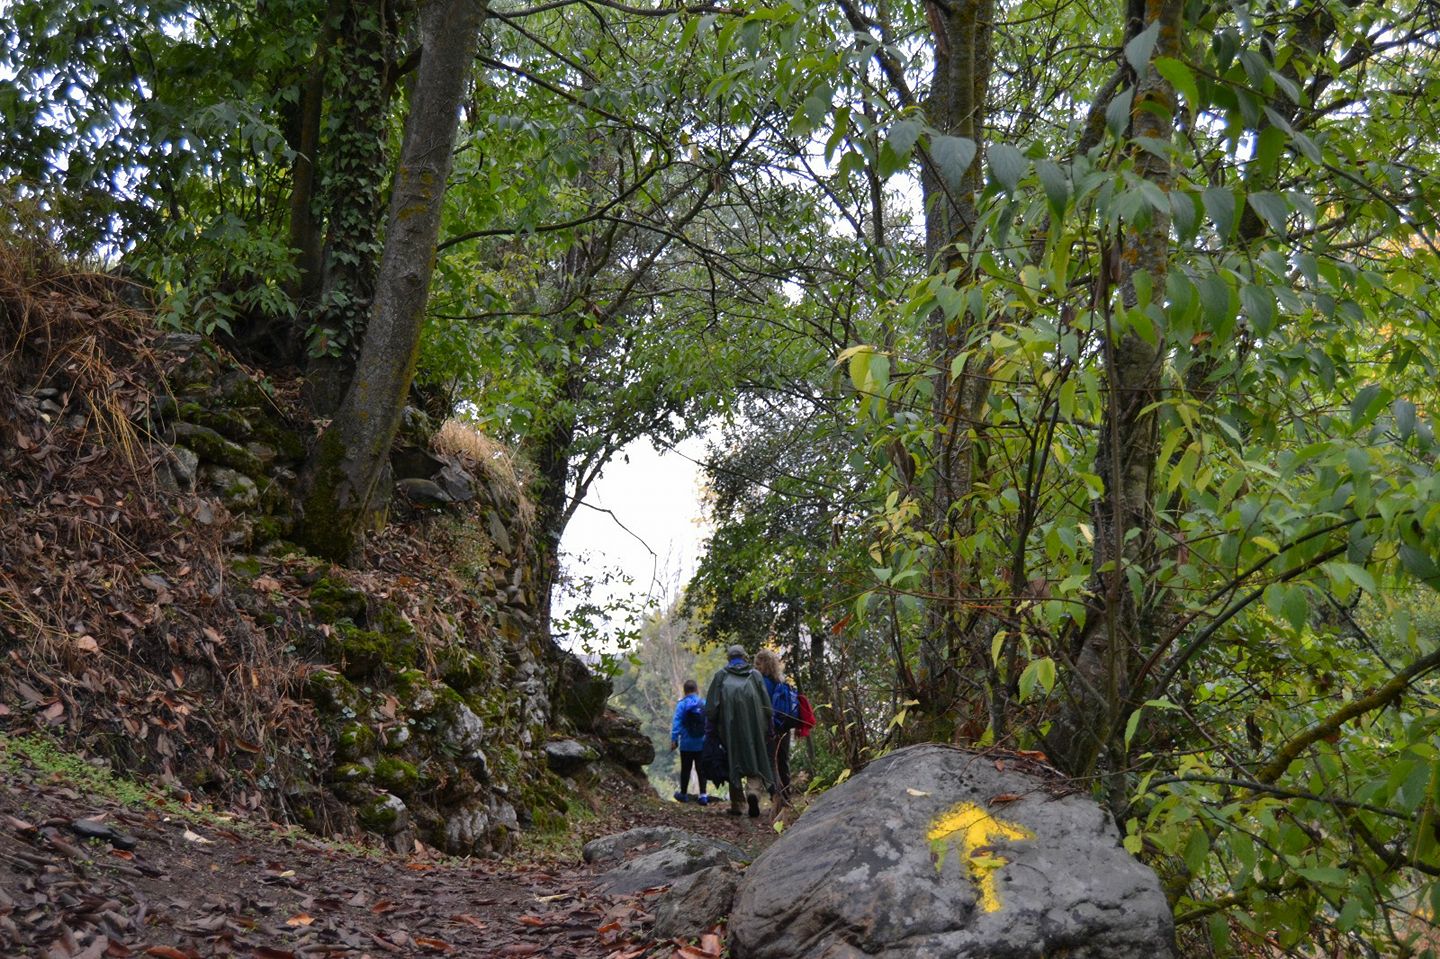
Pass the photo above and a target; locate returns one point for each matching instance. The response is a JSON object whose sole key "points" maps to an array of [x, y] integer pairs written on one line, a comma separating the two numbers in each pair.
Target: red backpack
{"points": [[807, 717]]}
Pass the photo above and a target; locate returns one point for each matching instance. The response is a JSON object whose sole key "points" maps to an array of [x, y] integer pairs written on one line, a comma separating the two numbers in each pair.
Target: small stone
{"points": [[95, 829], [568, 756], [214, 448], [696, 902], [456, 482], [385, 814], [423, 493], [236, 490]]}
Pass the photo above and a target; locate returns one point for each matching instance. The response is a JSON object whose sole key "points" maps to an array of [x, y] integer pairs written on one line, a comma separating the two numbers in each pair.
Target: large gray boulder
{"points": [[663, 855], [933, 851]]}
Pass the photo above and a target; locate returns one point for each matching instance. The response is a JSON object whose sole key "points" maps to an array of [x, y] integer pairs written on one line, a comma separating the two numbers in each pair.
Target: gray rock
{"points": [[463, 736], [457, 482], [567, 756], [696, 902], [613, 848], [580, 695], [624, 741], [677, 857], [214, 448], [236, 490], [423, 493], [466, 830], [177, 469], [855, 875]]}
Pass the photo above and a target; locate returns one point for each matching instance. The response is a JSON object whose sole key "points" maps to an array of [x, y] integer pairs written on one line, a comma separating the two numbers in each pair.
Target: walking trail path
{"points": [[197, 883]]}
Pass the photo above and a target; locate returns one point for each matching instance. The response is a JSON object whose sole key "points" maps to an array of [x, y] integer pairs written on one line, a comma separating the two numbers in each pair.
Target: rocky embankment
{"points": [[157, 616]]}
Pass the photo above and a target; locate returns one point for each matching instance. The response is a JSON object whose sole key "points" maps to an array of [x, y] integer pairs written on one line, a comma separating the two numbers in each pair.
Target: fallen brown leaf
{"points": [[439, 945], [465, 919], [300, 919], [1001, 798], [690, 952]]}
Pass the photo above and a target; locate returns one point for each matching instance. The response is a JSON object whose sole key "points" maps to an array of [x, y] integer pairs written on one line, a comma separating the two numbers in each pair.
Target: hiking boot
{"points": [[735, 809], [704, 800], [682, 797], [754, 802]]}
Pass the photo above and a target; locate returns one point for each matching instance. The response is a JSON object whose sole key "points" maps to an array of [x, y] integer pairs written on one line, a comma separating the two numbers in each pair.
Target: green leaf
{"points": [[1179, 77], [1362, 408], [1272, 209], [1404, 413], [1259, 304], [1117, 114], [1055, 183], [1007, 164], [953, 157], [1418, 564], [1220, 207], [1214, 299], [1138, 50], [903, 136]]}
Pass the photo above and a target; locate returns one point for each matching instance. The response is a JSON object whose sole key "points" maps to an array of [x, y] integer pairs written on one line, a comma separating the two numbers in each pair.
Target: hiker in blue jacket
{"points": [[687, 733]]}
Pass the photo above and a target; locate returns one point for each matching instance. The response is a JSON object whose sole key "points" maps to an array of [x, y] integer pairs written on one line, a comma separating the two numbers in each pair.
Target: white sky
{"points": [[656, 495]]}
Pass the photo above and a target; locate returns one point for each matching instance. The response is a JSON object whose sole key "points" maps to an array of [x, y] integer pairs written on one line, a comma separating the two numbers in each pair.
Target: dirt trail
{"points": [[197, 884]]}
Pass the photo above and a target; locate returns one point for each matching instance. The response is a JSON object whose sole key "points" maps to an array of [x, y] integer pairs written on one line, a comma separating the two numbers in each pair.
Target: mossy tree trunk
{"points": [[1118, 630], [956, 107], [353, 200], [345, 468]]}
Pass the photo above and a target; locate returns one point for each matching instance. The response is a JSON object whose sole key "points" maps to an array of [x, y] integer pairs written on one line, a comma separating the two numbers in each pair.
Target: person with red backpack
{"points": [[687, 732], [785, 713]]}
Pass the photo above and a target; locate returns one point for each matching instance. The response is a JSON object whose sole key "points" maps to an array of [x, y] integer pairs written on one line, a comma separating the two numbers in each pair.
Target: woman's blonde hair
{"points": [[768, 662]]}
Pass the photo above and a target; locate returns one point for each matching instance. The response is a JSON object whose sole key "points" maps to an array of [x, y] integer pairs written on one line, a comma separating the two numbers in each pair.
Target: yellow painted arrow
{"points": [[976, 830]]}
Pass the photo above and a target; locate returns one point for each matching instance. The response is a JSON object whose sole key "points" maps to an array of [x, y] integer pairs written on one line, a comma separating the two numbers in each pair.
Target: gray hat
{"points": [[735, 652]]}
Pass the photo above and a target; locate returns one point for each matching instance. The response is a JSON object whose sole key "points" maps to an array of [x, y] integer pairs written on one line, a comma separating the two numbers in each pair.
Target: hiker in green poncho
{"points": [[740, 711]]}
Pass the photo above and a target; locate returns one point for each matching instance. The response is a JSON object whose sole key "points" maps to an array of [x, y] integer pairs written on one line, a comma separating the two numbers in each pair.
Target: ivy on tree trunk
{"points": [[345, 469]]}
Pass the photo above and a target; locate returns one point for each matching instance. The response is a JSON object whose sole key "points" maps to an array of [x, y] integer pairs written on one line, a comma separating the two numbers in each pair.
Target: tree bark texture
{"points": [[955, 107], [352, 454], [1124, 517], [306, 234], [357, 154]]}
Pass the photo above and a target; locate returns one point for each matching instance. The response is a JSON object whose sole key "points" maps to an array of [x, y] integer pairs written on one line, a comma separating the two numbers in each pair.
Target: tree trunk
{"points": [[305, 227], [345, 288], [552, 499], [956, 108], [1124, 517], [343, 471]]}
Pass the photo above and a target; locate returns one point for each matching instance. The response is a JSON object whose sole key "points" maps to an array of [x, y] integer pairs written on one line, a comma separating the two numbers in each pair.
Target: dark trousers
{"points": [[690, 759], [779, 749]]}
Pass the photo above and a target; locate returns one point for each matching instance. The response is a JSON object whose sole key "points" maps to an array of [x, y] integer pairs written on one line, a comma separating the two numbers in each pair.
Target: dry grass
{"points": [[496, 460]]}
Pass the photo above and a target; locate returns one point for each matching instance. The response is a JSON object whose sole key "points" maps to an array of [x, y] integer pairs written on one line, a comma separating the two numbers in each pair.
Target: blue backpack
{"points": [[785, 703], [692, 720]]}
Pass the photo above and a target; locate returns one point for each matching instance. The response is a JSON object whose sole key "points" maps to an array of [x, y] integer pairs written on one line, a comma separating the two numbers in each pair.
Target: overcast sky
{"points": [[657, 498]]}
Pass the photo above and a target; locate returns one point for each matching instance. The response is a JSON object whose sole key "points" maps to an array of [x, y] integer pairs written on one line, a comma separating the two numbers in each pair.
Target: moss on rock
{"points": [[332, 600], [396, 775], [385, 814], [363, 653], [355, 742], [332, 693]]}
